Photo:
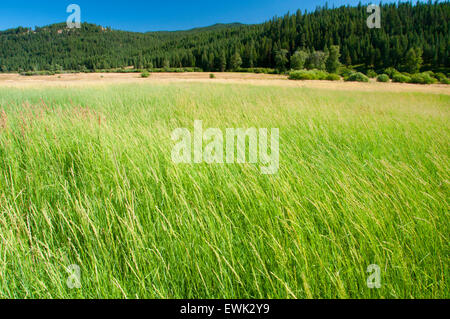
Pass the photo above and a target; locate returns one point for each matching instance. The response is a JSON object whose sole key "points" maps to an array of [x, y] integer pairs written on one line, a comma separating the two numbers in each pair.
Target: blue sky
{"points": [[149, 15]]}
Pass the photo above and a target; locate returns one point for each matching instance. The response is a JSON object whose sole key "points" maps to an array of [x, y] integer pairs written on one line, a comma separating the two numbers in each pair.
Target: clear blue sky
{"points": [[150, 15]]}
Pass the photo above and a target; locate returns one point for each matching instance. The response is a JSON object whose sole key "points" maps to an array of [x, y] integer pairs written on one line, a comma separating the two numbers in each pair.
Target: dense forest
{"points": [[408, 31]]}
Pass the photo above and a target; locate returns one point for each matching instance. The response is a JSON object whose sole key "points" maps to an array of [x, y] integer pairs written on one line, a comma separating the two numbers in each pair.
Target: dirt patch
{"points": [[87, 79]]}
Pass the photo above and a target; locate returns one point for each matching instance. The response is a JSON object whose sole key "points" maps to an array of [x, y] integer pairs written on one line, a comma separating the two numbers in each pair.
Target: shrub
{"points": [[442, 78], [333, 77], [145, 74], [32, 73], [345, 72], [400, 78], [298, 59], [301, 75], [256, 70], [212, 76], [423, 78], [175, 70], [320, 75], [371, 74], [357, 77], [313, 75], [390, 72], [383, 78], [308, 75]]}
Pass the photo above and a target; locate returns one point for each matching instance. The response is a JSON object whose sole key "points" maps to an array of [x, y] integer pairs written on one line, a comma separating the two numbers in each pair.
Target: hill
{"points": [[421, 27]]}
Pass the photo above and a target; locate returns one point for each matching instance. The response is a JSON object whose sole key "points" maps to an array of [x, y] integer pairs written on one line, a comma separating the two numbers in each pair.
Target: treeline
{"points": [[302, 39]]}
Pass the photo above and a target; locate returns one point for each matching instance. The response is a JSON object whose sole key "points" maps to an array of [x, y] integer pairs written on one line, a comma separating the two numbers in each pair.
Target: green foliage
{"points": [[166, 64], [281, 60], [302, 75], [390, 72], [298, 60], [357, 77], [33, 73], [371, 74], [401, 78], [423, 78], [145, 74], [257, 70], [383, 78], [236, 61], [316, 60], [345, 71], [333, 77], [332, 63], [413, 60], [175, 70], [442, 78], [313, 75], [212, 76], [222, 62]]}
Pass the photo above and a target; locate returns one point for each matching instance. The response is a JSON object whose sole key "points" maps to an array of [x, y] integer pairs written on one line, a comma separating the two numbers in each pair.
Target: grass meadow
{"points": [[86, 178]]}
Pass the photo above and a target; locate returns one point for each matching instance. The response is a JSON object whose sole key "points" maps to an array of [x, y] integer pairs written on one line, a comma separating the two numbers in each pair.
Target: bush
{"points": [[371, 74], [445, 81], [256, 70], [308, 75], [400, 78], [333, 77], [145, 74], [390, 72], [32, 73], [212, 76], [442, 78], [357, 77], [423, 78], [159, 70], [301, 75], [313, 75], [345, 72], [383, 78], [319, 74]]}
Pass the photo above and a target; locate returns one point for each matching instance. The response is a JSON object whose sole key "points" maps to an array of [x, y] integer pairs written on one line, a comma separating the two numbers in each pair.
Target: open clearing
{"points": [[77, 79], [86, 178]]}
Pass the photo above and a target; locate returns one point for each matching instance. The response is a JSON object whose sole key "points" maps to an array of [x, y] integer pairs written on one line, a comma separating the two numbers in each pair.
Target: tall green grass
{"points": [[86, 178]]}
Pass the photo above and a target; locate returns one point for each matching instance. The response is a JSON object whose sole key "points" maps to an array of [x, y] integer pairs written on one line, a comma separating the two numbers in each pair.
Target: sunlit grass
{"points": [[86, 178]]}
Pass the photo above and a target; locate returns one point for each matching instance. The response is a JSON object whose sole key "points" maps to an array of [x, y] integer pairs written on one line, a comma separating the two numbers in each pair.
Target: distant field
{"points": [[86, 178]]}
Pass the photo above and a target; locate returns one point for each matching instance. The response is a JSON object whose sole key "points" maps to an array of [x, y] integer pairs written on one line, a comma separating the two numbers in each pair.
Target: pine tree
{"points": [[413, 60], [281, 60], [298, 60], [236, 61], [332, 63], [223, 62]]}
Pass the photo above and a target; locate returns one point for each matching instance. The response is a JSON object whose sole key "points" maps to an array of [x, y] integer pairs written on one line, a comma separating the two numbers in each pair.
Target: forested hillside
{"points": [[422, 29]]}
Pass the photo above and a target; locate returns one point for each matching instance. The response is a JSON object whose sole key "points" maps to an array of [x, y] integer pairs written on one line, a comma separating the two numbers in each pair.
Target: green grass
{"points": [[86, 178]]}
